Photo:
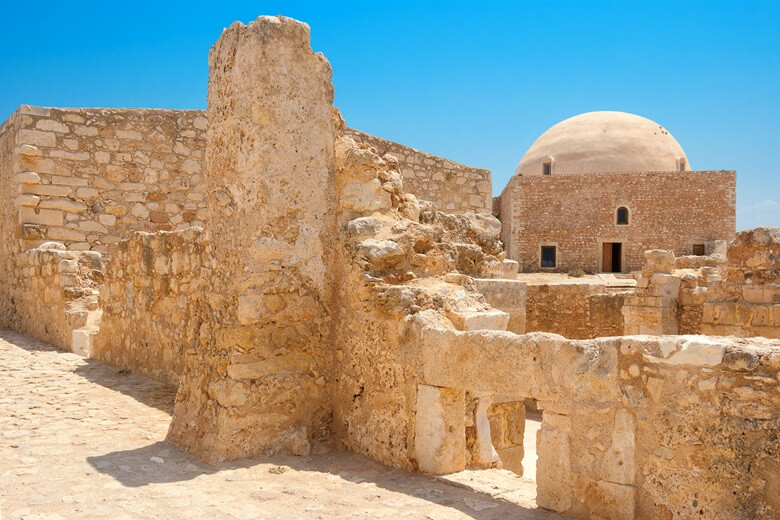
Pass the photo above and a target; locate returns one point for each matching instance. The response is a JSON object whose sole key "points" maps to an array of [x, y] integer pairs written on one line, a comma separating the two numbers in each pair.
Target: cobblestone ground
{"points": [[81, 439]]}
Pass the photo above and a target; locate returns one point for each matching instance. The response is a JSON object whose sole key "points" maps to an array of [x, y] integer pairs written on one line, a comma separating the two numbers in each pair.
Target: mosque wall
{"points": [[577, 213], [453, 187], [89, 177]]}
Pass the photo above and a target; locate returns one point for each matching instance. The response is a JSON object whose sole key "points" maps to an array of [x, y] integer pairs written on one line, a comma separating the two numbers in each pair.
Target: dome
{"points": [[603, 142]]}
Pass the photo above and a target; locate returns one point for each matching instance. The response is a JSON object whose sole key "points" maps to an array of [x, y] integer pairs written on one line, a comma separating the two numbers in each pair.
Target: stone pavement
{"points": [[82, 439]]}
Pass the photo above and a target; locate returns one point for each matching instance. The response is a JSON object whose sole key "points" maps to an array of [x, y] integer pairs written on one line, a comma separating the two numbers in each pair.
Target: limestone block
{"points": [[618, 463], [553, 468], [440, 430], [67, 205], [659, 260], [509, 269], [47, 189], [81, 342], [45, 217], [37, 138], [479, 320], [27, 178], [26, 200]]}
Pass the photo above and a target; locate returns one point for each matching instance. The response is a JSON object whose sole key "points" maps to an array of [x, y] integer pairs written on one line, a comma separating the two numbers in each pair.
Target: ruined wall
{"points": [[8, 240], [54, 293], [398, 256], [151, 302], [633, 427], [508, 296], [453, 187], [93, 176], [746, 300], [667, 210], [254, 384], [576, 310]]}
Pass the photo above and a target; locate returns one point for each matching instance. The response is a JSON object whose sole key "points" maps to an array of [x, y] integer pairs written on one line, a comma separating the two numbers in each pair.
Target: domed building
{"points": [[597, 190]]}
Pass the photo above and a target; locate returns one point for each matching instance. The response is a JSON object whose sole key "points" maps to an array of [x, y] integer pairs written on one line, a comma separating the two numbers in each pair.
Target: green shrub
{"points": [[576, 273]]}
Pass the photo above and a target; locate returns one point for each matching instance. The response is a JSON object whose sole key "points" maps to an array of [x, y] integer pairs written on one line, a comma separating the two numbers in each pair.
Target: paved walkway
{"points": [[81, 439]]}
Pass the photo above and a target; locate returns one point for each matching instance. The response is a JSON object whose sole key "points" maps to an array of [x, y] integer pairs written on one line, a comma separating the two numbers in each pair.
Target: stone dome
{"points": [[604, 142]]}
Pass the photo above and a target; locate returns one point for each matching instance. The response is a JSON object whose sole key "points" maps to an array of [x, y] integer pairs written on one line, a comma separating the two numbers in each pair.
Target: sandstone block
{"points": [[45, 217], [440, 430], [37, 138]]}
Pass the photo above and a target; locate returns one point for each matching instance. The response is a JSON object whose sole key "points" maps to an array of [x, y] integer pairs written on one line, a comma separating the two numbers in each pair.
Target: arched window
{"points": [[682, 164], [622, 216]]}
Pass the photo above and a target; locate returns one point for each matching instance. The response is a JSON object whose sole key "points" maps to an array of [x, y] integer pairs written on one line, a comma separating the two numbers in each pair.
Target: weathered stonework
{"points": [[90, 177], [746, 300], [152, 302], [325, 301], [576, 311], [453, 187], [576, 213], [255, 382]]}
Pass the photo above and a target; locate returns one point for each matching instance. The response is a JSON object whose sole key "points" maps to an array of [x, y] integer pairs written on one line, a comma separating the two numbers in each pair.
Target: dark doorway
{"points": [[611, 255]]}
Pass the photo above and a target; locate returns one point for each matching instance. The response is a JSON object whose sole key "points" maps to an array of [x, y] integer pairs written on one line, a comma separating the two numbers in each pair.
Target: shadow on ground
{"points": [[162, 462]]}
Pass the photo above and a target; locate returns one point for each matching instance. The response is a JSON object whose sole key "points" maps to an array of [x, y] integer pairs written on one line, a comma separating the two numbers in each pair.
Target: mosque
{"points": [[595, 191]]}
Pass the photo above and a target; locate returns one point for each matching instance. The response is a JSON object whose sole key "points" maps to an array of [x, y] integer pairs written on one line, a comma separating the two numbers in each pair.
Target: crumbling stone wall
{"points": [[632, 427], [8, 243], [152, 302], [89, 177], [453, 187], [398, 256], [54, 293], [255, 383], [578, 212], [576, 310], [746, 300]]}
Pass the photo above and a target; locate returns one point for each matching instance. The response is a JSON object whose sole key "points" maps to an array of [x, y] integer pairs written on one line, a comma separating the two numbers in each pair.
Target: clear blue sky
{"points": [[475, 82]]}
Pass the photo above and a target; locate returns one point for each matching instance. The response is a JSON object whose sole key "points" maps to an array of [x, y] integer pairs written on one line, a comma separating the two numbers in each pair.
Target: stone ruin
{"points": [[316, 300]]}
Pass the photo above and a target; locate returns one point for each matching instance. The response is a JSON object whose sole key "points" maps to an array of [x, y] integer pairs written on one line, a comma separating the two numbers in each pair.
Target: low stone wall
{"points": [[90, 177], [746, 300], [617, 440], [151, 303], [54, 293], [576, 311], [508, 296], [453, 187]]}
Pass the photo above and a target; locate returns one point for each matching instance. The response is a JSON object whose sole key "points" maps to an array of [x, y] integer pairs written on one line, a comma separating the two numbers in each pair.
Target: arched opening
{"points": [[622, 216]]}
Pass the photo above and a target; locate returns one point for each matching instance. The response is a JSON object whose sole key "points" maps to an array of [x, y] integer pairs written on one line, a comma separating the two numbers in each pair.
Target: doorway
{"points": [[611, 257]]}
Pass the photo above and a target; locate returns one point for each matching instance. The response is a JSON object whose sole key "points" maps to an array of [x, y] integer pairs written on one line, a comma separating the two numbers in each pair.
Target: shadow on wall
{"points": [[145, 391]]}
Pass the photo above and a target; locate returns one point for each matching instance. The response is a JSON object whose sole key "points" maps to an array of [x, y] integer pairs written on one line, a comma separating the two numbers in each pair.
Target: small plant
{"points": [[576, 273]]}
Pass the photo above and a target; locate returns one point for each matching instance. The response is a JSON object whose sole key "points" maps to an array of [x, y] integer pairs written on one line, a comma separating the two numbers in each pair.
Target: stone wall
{"points": [[90, 177], [453, 187], [746, 300], [54, 295], [8, 225], [633, 427], [151, 302], [576, 213], [576, 310]]}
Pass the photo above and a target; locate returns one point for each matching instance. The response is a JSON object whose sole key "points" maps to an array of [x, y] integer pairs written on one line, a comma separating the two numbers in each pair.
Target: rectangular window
{"points": [[698, 249], [548, 256], [547, 168]]}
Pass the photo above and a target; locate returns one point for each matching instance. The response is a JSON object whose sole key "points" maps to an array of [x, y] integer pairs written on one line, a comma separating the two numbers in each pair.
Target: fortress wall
{"points": [[453, 187], [576, 310], [93, 176], [668, 210], [8, 241], [151, 302]]}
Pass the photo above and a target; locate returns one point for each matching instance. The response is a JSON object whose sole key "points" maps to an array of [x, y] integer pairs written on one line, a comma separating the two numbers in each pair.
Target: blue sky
{"points": [[476, 82]]}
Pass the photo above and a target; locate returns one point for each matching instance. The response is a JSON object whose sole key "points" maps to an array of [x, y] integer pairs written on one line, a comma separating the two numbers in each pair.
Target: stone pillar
{"points": [[653, 307], [254, 384], [440, 430]]}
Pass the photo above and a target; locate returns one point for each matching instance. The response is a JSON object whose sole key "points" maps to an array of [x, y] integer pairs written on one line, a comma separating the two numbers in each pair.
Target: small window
{"points": [[546, 168], [622, 216], [698, 249], [548, 256], [682, 164]]}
